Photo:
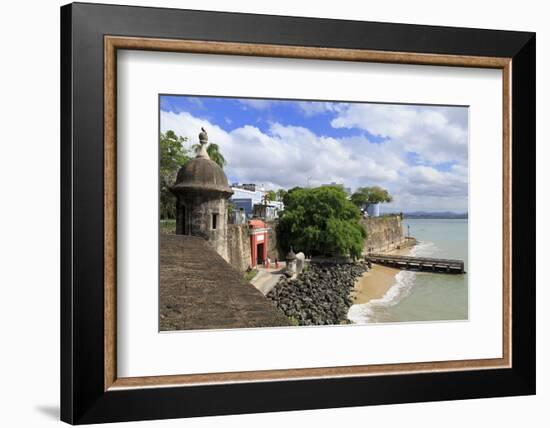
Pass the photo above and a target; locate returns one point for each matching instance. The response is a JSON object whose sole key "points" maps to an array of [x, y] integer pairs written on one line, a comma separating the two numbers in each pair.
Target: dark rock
{"points": [[320, 295]]}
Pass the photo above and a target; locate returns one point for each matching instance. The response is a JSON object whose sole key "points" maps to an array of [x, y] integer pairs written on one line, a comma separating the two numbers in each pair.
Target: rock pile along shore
{"points": [[320, 295]]}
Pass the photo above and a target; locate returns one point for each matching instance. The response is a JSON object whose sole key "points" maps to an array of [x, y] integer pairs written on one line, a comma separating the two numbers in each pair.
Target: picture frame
{"points": [[91, 391]]}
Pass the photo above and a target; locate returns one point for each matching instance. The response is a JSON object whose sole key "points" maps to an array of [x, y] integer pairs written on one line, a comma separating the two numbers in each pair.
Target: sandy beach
{"points": [[385, 294], [373, 284]]}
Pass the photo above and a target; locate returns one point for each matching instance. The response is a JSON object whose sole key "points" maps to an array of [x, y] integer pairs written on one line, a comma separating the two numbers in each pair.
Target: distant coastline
{"points": [[435, 215]]}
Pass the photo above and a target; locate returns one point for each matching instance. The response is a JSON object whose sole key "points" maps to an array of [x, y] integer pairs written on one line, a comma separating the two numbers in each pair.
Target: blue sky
{"points": [[233, 113], [419, 153]]}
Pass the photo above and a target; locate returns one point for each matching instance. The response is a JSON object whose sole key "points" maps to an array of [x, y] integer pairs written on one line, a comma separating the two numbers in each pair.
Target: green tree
{"points": [[286, 196], [321, 221], [214, 153], [271, 195], [230, 210], [281, 193], [365, 196], [173, 155]]}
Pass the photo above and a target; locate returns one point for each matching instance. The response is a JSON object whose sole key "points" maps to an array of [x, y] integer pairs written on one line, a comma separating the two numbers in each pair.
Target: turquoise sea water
{"points": [[424, 296]]}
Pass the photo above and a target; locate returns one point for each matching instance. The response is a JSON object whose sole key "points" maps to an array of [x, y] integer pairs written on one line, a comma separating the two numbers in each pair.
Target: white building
{"points": [[246, 200]]}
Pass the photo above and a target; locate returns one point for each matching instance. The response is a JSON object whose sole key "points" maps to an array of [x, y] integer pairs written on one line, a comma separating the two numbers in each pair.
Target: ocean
{"points": [[424, 296]]}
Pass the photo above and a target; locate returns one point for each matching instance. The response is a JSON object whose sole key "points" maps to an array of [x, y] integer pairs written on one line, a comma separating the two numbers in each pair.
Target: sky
{"points": [[418, 152]]}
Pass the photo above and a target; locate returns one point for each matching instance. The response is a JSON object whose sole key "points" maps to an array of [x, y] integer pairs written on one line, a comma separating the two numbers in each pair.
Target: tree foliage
{"points": [[270, 195], [173, 155], [214, 153], [286, 194], [321, 221], [281, 193], [365, 196]]}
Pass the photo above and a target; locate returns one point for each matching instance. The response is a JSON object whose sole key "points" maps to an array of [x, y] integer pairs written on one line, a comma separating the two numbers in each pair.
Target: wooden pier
{"points": [[418, 263]]}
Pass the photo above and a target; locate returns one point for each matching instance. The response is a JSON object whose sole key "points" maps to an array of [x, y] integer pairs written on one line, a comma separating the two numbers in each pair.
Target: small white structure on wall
{"points": [[373, 210]]}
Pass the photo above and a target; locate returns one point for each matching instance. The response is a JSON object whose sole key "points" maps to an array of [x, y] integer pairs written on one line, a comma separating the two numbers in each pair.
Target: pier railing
{"points": [[418, 263]]}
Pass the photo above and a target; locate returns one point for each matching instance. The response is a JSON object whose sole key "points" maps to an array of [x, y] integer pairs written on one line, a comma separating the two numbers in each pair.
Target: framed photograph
{"points": [[267, 213]]}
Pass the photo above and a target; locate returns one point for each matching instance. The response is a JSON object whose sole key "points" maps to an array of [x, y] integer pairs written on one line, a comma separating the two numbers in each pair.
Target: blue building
{"points": [[246, 199], [253, 204]]}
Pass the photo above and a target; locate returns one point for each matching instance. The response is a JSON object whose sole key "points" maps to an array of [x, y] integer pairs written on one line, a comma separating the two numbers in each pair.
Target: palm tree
{"points": [[214, 153]]}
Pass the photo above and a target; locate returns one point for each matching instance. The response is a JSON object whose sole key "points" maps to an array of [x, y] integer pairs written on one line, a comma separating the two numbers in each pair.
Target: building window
{"points": [[214, 221]]}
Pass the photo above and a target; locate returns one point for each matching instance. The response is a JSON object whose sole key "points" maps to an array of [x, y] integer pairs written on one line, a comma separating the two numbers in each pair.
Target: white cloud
{"points": [[310, 108], [437, 135], [288, 156], [256, 104], [427, 181]]}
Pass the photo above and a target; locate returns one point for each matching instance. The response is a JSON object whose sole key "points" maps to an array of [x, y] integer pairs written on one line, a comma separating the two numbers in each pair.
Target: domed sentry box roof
{"points": [[201, 175]]}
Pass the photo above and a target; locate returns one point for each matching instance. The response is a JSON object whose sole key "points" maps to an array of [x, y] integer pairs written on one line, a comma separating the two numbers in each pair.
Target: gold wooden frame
{"points": [[113, 43]]}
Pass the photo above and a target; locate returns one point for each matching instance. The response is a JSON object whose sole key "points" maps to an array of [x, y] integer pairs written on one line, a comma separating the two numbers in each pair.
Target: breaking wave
{"points": [[424, 249], [366, 312], [404, 284]]}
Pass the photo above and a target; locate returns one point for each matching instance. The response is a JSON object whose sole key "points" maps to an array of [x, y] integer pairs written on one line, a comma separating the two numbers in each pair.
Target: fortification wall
{"points": [[272, 245], [238, 246], [383, 233]]}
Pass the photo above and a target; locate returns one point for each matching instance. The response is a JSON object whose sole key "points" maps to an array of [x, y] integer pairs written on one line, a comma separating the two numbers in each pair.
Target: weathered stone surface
{"points": [[200, 174], [200, 290], [198, 210], [238, 246], [202, 191], [320, 295], [383, 233], [273, 250]]}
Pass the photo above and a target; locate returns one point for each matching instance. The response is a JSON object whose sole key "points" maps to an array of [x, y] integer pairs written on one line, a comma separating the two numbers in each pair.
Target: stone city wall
{"points": [[272, 245], [238, 246], [383, 233]]}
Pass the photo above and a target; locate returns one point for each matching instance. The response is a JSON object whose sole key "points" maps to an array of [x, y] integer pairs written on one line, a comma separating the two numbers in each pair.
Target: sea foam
{"points": [[424, 249], [366, 312], [404, 284]]}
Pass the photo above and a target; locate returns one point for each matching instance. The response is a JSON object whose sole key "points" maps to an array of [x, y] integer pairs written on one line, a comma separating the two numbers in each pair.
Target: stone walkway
{"points": [[266, 279], [200, 290]]}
